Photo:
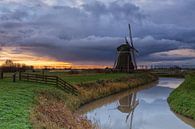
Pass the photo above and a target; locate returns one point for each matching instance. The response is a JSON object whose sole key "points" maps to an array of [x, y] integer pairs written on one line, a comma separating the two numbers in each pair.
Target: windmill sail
{"points": [[130, 36], [133, 52]]}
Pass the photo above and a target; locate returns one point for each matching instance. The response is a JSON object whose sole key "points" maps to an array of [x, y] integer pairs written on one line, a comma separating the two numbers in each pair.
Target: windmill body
{"points": [[125, 61]]}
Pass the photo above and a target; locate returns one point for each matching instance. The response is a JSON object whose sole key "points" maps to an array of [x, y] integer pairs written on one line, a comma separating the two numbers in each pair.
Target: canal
{"points": [[143, 108]]}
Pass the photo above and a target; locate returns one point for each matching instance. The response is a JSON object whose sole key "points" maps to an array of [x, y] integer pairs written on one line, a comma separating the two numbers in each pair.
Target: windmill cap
{"points": [[124, 47]]}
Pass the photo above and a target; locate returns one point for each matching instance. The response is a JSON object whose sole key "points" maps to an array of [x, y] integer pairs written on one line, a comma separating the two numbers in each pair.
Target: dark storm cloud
{"points": [[87, 49], [171, 19], [175, 12], [150, 49], [91, 31]]}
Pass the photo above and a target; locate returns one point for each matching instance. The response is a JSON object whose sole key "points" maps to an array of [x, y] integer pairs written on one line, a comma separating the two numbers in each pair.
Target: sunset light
{"points": [[20, 55], [28, 58]]}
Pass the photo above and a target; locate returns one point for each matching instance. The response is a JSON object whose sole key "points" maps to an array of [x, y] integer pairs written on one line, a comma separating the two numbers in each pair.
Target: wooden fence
{"points": [[52, 80]]}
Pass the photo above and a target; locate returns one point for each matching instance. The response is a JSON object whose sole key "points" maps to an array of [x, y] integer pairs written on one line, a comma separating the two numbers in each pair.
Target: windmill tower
{"points": [[125, 61]]}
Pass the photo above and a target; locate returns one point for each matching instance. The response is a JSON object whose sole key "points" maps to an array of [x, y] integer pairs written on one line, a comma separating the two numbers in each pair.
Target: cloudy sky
{"points": [[87, 32]]}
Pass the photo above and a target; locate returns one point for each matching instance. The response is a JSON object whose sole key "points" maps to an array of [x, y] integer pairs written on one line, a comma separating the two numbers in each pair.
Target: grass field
{"points": [[16, 101], [24, 104], [182, 100], [85, 77], [91, 78]]}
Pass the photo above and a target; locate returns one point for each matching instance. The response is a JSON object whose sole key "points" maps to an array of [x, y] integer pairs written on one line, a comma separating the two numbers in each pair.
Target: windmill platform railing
{"points": [[51, 80]]}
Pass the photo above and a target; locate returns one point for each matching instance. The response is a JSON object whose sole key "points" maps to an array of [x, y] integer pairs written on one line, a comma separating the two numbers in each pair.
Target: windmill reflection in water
{"points": [[128, 105]]}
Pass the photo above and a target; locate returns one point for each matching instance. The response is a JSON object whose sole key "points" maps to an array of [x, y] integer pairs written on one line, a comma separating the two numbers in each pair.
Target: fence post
{"points": [[20, 75], [46, 79], [43, 71], [14, 77], [57, 79], [28, 77], [36, 78], [72, 90], [1, 74]]}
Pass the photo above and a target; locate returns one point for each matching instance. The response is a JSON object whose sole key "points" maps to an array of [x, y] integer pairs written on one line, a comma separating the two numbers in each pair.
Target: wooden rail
{"points": [[52, 80]]}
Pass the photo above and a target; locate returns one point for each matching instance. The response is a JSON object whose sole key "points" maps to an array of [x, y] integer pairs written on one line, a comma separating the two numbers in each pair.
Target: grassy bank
{"points": [[30, 105], [18, 108], [101, 88], [16, 101], [182, 100]]}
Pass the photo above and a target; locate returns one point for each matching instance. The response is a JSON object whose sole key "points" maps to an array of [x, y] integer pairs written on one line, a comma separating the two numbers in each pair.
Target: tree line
{"points": [[10, 66]]}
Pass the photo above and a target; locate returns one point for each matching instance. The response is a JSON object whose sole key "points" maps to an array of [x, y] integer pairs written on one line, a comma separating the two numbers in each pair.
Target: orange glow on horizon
{"points": [[28, 58], [25, 57]]}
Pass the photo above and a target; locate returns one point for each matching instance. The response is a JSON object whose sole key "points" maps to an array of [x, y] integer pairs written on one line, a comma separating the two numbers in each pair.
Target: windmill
{"points": [[125, 61]]}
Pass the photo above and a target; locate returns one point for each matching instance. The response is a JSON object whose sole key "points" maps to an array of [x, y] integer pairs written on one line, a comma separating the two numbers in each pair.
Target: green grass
{"points": [[92, 78], [83, 77], [16, 101], [182, 100]]}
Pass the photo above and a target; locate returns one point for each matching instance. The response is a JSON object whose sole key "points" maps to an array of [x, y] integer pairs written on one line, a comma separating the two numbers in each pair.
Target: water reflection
{"points": [[139, 109], [111, 99], [127, 105]]}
